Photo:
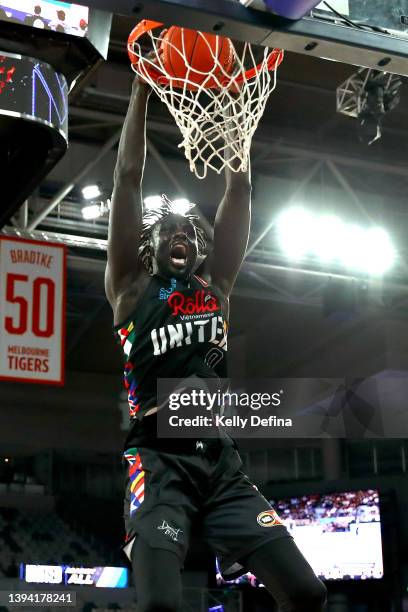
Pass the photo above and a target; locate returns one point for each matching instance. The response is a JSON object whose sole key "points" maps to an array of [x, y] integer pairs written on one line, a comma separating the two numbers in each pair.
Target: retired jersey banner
{"points": [[32, 311]]}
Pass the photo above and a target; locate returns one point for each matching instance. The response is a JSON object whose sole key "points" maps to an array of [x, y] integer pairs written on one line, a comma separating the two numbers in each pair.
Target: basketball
{"points": [[194, 55]]}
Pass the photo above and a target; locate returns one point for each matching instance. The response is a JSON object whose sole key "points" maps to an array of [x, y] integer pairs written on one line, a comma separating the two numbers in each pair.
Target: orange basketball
{"points": [[200, 51]]}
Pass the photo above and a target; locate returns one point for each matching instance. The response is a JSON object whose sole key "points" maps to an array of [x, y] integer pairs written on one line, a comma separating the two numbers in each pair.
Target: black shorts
{"points": [[166, 490]]}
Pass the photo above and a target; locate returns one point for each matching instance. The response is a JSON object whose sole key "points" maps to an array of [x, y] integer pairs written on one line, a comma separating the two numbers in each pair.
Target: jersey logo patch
{"points": [[268, 518], [201, 302], [165, 293], [169, 531], [213, 357]]}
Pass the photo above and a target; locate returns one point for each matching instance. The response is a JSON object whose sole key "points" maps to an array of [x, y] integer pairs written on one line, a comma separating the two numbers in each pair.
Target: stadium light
{"points": [[92, 212], [369, 251], [328, 240], [380, 252], [152, 202], [182, 205], [295, 232], [352, 253], [90, 192]]}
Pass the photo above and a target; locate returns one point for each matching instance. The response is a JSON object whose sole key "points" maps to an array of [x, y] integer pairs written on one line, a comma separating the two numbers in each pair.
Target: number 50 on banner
{"points": [[32, 311]]}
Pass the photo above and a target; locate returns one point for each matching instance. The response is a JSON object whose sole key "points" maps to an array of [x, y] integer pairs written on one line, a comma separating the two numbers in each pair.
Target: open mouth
{"points": [[178, 255]]}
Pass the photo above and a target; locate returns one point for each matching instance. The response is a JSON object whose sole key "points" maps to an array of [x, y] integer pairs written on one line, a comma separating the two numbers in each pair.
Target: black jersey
{"points": [[176, 331]]}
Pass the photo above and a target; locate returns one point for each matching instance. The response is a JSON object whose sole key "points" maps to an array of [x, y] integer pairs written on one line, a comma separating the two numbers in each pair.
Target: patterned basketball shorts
{"points": [[166, 491]]}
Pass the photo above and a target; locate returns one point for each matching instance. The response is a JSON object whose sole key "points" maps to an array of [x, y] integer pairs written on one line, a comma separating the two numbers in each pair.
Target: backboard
{"points": [[321, 34]]}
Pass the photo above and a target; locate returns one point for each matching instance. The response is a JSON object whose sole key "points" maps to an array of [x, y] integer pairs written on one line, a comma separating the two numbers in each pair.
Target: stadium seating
{"points": [[44, 538]]}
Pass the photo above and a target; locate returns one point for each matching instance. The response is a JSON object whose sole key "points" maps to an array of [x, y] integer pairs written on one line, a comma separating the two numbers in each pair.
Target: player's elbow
{"points": [[240, 184], [239, 196], [127, 174]]}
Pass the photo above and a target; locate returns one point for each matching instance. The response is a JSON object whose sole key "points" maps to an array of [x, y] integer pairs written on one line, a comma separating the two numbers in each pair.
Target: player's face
{"points": [[174, 242]]}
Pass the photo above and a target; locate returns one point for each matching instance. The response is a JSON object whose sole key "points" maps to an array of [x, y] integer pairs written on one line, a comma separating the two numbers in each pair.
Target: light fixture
{"points": [[368, 251], [94, 211], [369, 95], [380, 252], [327, 241], [352, 256], [182, 205], [152, 202], [295, 232], [90, 192]]}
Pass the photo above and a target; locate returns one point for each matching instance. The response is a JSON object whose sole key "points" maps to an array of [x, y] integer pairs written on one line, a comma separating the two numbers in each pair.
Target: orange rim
{"points": [[142, 28], [275, 58]]}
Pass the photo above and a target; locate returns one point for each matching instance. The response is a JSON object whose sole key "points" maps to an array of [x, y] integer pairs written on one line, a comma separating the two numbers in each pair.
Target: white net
{"points": [[217, 112]]}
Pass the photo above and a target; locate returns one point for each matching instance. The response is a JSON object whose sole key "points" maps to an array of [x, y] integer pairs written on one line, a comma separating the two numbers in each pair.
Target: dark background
{"points": [[283, 321]]}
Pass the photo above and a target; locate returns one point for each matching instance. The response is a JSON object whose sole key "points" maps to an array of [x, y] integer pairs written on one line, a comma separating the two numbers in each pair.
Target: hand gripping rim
{"points": [[275, 58]]}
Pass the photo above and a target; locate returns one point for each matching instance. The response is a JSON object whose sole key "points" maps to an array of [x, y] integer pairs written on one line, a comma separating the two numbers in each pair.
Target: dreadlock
{"points": [[153, 216]]}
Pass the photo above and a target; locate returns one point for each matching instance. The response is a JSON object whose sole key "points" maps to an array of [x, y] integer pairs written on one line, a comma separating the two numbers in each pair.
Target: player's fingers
{"points": [[154, 56], [162, 35], [159, 46]]}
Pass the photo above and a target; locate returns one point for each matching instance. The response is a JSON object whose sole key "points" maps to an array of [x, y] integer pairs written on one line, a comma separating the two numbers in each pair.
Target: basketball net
{"points": [[217, 117]]}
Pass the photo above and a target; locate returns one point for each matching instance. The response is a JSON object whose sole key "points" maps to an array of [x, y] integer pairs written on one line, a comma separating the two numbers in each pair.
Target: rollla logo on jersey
{"points": [[184, 306], [199, 323]]}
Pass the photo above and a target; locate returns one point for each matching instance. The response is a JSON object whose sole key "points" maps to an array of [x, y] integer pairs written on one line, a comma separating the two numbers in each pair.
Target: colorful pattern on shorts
{"points": [[137, 479], [127, 336]]}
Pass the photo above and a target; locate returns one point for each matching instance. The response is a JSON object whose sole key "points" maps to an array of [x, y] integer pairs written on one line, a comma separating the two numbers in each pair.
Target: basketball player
{"points": [[171, 483], [59, 25], [35, 20]]}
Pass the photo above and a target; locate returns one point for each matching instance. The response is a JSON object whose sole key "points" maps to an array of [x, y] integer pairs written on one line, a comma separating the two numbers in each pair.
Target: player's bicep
{"points": [[108, 286]]}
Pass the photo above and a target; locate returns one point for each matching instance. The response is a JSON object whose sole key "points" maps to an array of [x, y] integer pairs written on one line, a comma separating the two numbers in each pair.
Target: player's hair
{"points": [[155, 215]]}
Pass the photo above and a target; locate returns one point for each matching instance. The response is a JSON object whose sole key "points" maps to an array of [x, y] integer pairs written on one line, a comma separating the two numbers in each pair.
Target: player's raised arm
{"points": [[125, 223], [231, 231]]}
